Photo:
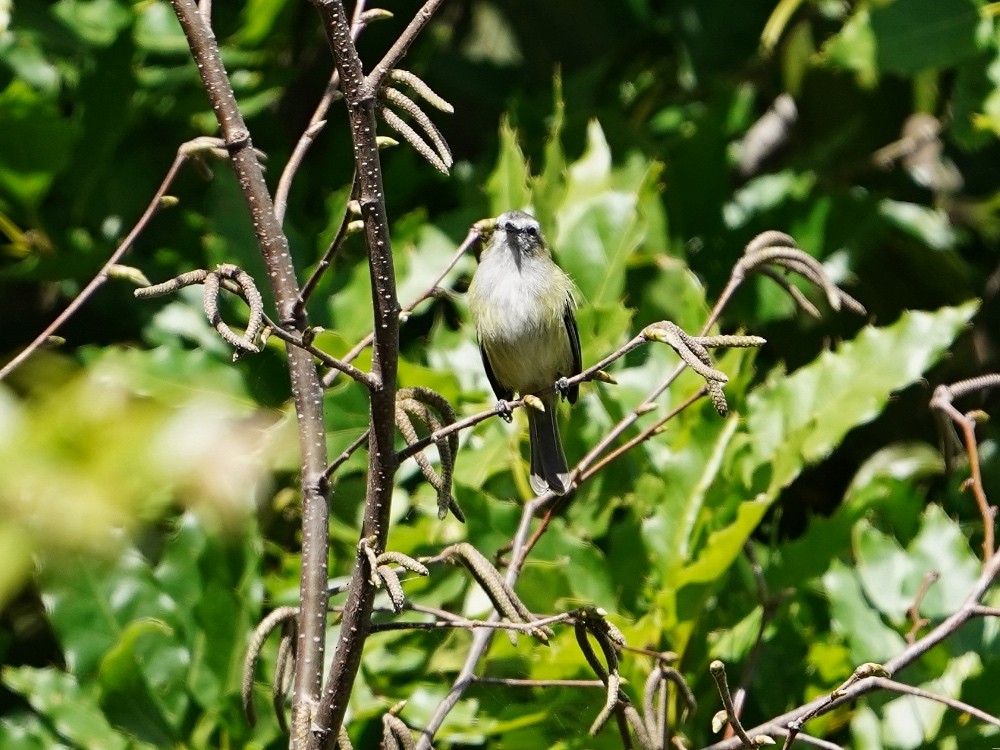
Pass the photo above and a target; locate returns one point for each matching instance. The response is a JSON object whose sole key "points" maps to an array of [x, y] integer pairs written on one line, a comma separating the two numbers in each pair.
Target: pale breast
{"points": [[520, 324]]}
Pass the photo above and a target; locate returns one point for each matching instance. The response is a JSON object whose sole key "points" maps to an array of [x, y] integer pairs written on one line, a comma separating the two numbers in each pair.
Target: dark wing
{"points": [[574, 346], [503, 394]]}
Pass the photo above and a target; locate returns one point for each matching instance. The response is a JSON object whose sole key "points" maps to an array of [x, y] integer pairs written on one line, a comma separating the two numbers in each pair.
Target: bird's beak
{"points": [[514, 241]]}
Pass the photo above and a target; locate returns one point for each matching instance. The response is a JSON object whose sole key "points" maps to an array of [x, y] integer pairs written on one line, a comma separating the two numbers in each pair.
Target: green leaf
{"points": [[70, 709], [852, 616], [797, 419], [35, 144], [90, 606], [599, 223], [507, 186], [886, 489], [139, 681], [853, 48], [96, 22], [913, 35], [549, 188], [723, 546]]}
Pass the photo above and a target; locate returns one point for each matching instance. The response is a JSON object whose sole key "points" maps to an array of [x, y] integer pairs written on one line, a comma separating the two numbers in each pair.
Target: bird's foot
{"points": [[504, 410], [562, 387]]}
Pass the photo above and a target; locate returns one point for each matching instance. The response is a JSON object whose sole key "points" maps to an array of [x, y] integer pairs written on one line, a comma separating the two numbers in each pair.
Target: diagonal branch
{"points": [[398, 50], [185, 152]]}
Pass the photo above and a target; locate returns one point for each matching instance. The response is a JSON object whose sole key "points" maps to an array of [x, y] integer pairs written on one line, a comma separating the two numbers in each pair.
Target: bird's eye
{"points": [[532, 230], [508, 226]]}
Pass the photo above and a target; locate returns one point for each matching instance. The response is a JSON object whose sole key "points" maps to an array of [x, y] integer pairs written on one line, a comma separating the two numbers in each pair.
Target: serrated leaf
{"points": [[798, 419], [507, 186]]}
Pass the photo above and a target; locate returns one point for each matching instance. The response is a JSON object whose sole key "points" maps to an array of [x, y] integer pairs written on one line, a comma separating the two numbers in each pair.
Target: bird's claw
{"points": [[562, 387], [504, 410]]}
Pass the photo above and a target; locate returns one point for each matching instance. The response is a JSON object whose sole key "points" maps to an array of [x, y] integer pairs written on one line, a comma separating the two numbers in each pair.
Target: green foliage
{"points": [[149, 645], [134, 456]]}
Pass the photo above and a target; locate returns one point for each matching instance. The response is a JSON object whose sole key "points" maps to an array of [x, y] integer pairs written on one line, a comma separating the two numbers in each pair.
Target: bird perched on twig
{"points": [[522, 305]]}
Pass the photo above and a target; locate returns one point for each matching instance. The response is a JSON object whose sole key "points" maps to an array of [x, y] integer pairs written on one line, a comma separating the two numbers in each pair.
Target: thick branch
{"points": [[382, 460], [307, 392]]}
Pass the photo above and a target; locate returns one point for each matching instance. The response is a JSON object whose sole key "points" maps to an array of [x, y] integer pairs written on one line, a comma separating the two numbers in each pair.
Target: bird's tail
{"points": [[548, 462]]}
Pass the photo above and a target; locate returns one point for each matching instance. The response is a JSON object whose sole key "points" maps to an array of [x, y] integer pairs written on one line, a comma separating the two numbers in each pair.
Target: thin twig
{"points": [[941, 401], [433, 290], [718, 672], [914, 611], [515, 682], [884, 683], [155, 204], [398, 50], [316, 123], [327, 259]]}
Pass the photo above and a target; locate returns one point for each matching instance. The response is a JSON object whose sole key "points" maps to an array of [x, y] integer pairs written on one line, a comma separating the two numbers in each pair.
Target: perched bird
{"points": [[522, 305]]}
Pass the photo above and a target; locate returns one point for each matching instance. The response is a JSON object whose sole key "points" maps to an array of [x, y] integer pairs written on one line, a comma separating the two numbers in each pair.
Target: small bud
{"points": [[128, 273], [534, 402], [355, 226], [384, 141], [655, 333], [604, 377], [375, 14], [871, 669], [169, 201], [313, 130], [309, 335], [720, 720]]}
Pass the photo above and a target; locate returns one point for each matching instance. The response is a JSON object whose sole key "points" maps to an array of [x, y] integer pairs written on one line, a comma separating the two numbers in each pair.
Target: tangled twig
{"points": [[436, 152], [212, 282], [284, 617], [434, 412], [941, 403]]}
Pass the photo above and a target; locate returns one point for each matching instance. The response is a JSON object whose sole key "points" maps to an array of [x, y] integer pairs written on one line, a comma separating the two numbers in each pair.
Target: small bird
{"points": [[522, 305]]}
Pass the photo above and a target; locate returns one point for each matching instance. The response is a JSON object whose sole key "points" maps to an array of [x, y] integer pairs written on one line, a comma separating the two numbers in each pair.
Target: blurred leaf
{"points": [[35, 144], [68, 707], [914, 35], [140, 693], [97, 22], [853, 618]]}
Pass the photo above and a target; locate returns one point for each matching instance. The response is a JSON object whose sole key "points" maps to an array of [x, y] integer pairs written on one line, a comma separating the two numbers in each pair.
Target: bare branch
{"points": [[398, 50], [305, 385], [718, 671], [185, 152], [941, 402]]}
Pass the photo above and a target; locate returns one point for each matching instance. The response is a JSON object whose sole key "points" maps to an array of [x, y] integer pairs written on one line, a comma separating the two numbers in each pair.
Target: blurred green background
{"points": [[148, 504]]}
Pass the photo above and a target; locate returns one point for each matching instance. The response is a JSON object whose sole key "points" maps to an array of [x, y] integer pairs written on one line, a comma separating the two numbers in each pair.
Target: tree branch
{"points": [[359, 94], [307, 392]]}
